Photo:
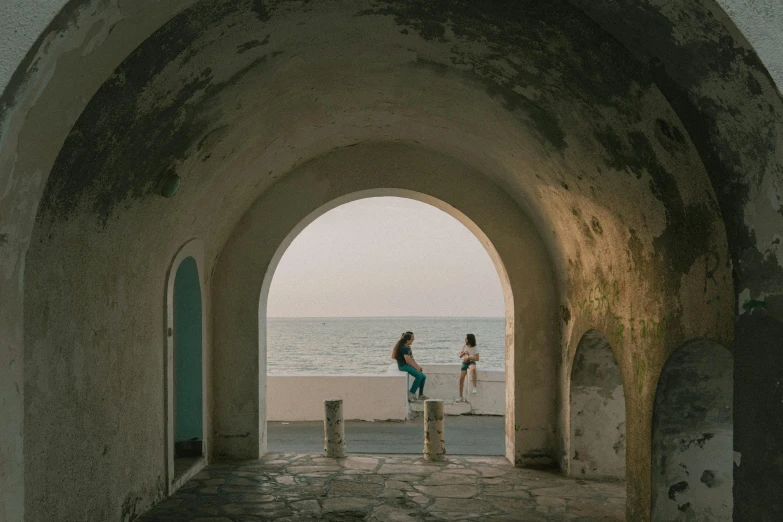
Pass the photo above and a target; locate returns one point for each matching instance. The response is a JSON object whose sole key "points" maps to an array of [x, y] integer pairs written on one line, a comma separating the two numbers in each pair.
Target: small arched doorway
{"points": [[692, 438], [188, 396], [597, 409], [186, 447]]}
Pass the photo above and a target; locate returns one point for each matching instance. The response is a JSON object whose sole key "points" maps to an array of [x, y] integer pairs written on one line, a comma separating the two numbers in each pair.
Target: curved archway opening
{"points": [[186, 411], [335, 261], [245, 267], [597, 408], [693, 435]]}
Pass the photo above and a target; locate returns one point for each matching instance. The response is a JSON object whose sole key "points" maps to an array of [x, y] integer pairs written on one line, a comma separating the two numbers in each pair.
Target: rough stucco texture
{"points": [[693, 435]]}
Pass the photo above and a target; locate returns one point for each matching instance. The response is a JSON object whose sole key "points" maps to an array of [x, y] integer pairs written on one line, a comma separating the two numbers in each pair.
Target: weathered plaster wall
{"points": [[368, 397], [597, 411], [558, 114], [22, 23], [760, 22], [693, 435], [57, 78], [732, 110], [95, 376]]}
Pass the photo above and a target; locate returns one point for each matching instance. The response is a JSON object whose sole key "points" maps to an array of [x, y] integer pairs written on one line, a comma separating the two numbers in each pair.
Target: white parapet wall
{"points": [[300, 397], [443, 383], [368, 397]]}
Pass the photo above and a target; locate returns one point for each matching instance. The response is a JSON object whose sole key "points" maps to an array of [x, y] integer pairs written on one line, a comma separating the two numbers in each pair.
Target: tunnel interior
{"points": [[626, 183]]}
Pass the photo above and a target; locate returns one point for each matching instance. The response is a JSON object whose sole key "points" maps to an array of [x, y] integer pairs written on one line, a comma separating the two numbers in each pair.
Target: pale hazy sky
{"points": [[385, 257]]}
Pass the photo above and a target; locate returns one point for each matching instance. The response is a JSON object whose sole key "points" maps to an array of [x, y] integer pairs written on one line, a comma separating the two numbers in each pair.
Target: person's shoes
{"points": [[423, 397], [411, 397], [475, 390], [461, 399]]}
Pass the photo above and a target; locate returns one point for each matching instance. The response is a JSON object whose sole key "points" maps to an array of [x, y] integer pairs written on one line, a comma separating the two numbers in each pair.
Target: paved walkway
{"points": [[465, 435], [304, 487]]}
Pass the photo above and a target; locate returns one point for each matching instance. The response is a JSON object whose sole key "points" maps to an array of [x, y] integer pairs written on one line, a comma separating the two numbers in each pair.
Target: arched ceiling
{"points": [[230, 95]]}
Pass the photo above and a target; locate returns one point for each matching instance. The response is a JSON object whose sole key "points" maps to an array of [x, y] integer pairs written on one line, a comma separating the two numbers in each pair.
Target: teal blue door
{"points": [[188, 393]]}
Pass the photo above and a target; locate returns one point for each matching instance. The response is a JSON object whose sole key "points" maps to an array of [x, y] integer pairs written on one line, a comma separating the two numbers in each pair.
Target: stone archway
{"points": [[246, 265], [597, 409], [693, 434]]}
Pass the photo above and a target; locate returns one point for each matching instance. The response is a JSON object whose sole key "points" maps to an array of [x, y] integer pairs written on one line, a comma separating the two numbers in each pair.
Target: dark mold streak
{"points": [[100, 164]]}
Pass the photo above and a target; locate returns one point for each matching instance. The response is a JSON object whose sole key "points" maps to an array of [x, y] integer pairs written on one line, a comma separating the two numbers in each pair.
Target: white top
{"points": [[472, 351]]}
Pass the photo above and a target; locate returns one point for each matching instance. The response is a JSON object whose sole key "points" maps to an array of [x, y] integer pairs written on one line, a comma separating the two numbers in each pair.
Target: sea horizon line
{"points": [[387, 317]]}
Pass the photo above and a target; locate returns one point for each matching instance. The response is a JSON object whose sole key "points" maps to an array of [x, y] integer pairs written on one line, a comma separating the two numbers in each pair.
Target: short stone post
{"points": [[434, 436], [334, 430]]}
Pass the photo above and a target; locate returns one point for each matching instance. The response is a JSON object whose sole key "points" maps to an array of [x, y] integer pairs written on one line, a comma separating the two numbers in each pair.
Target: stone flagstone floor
{"points": [[303, 487]]}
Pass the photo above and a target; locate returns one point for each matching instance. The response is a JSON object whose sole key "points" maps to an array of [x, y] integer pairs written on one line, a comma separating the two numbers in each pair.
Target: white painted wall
{"points": [[365, 397], [300, 397], [443, 383]]}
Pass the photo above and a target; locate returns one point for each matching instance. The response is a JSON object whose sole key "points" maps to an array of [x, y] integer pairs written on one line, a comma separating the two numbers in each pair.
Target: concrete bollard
{"points": [[434, 436], [334, 430]]}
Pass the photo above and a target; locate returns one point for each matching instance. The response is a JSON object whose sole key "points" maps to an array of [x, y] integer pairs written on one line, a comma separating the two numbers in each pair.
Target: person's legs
{"points": [[473, 372], [462, 375], [418, 377], [421, 386]]}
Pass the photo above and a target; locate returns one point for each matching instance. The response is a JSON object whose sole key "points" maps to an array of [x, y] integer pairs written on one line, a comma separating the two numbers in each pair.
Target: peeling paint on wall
{"points": [[693, 435], [597, 411]]}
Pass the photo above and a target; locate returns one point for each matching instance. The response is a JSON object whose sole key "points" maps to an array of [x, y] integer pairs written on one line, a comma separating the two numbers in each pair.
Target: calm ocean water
{"points": [[364, 344]]}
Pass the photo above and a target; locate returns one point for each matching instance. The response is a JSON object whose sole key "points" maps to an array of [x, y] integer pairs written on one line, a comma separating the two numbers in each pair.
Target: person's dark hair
{"points": [[471, 339], [407, 336]]}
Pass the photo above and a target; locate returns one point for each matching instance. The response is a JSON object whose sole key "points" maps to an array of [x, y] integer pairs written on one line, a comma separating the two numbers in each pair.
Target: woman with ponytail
{"points": [[405, 362]]}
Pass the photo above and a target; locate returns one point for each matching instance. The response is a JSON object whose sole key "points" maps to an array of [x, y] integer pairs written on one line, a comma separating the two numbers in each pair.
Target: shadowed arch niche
{"points": [[246, 265], [597, 407], [693, 435]]}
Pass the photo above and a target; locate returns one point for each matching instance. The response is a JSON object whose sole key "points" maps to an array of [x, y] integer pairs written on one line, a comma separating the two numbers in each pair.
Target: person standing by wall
{"points": [[470, 356]]}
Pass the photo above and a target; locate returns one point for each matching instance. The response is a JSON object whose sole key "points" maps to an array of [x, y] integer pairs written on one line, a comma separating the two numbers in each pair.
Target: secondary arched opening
{"points": [[344, 290], [597, 408], [693, 435], [188, 395], [185, 375]]}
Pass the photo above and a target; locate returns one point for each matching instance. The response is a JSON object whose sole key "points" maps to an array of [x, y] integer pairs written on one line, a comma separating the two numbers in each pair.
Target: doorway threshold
{"points": [[185, 468]]}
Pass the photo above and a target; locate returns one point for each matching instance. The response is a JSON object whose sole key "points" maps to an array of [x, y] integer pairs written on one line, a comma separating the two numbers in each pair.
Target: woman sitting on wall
{"points": [[406, 363]]}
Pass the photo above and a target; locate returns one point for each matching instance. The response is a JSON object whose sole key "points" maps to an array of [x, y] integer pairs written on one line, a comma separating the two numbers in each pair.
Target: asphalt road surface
{"points": [[465, 435]]}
